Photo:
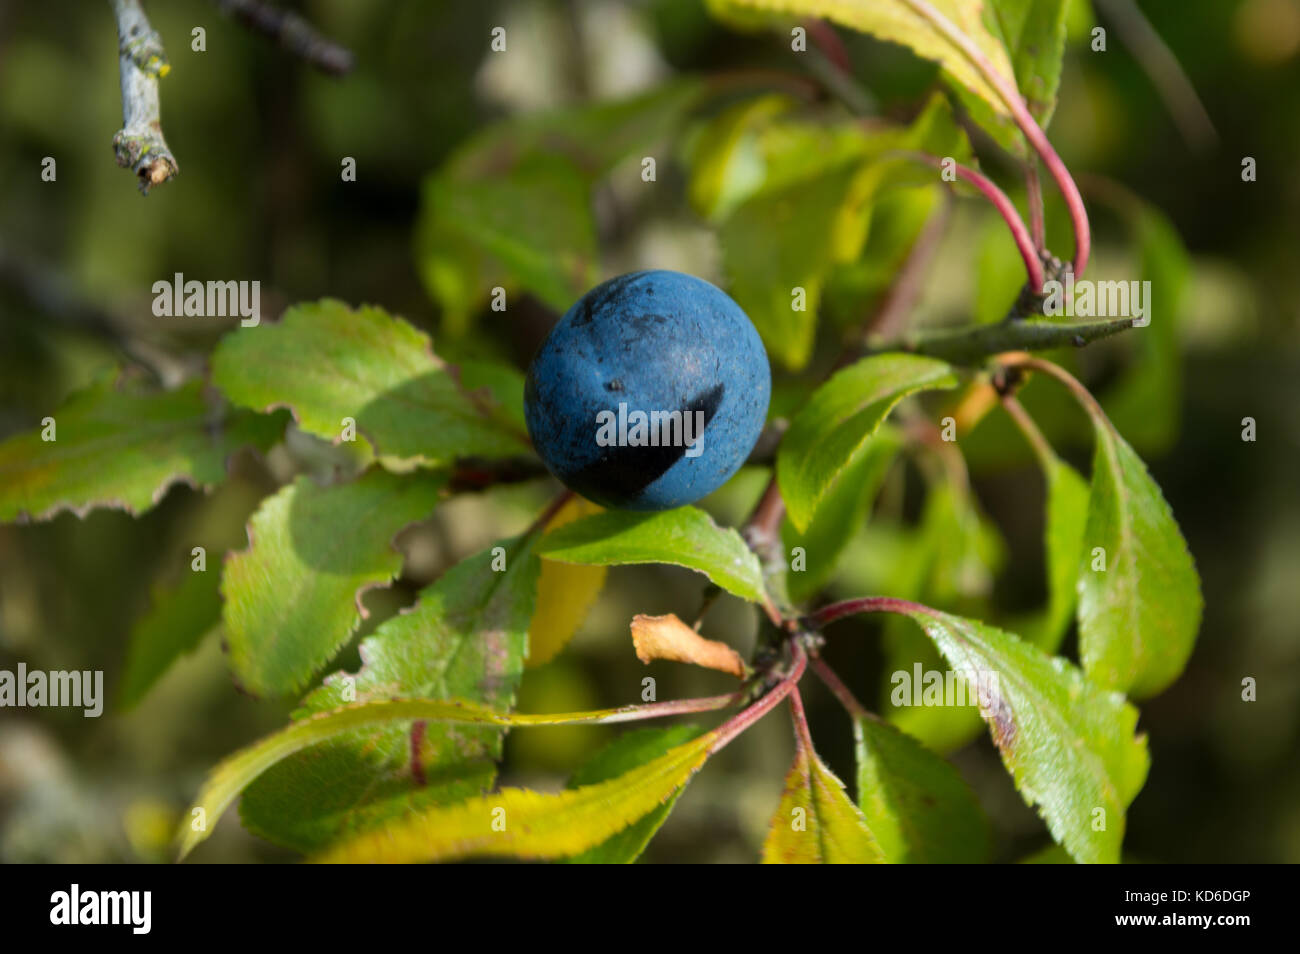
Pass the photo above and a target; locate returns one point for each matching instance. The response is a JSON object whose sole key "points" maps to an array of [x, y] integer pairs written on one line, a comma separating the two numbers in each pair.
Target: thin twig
{"points": [[1165, 72], [1033, 435], [1030, 363], [294, 34], [139, 145], [800, 718]]}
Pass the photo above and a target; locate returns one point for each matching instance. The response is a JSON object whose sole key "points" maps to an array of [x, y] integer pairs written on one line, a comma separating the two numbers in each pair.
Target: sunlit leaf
{"points": [[294, 596], [918, 806], [114, 448], [1138, 618], [331, 365], [1033, 32], [1067, 512], [526, 824], [1069, 745], [632, 748], [686, 537], [533, 224], [840, 515], [816, 823], [812, 193], [832, 430], [565, 593], [904, 22], [463, 639]]}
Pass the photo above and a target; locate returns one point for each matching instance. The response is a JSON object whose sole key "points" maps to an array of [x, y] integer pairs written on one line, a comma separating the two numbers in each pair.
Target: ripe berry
{"points": [[649, 393]]}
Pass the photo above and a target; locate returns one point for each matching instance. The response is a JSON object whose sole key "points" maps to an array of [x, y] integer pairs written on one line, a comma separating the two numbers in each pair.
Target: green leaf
{"points": [[1051, 855], [1033, 32], [788, 239], [832, 430], [594, 137], [525, 824], [952, 562], [841, 514], [815, 822], [533, 223], [917, 805], [1067, 512], [317, 729], [294, 596], [464, 639], [118, 449], [685, 537], [813, 189], [512, 206], [726, 163], [327, 363], [1139, 617], [905, 22], [1069, 745], [632, 748], [175, 625]]}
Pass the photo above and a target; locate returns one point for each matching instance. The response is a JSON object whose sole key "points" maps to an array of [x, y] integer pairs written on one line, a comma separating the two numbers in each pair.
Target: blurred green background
{"points": [[259, 137]]}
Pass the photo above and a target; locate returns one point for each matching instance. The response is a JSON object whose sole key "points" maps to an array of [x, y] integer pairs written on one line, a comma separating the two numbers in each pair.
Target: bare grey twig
{"points": [[292, 33], [139, 145]]}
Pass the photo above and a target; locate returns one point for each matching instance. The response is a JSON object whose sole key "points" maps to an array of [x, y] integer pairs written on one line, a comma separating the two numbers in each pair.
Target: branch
{"points": [[139, 144], [292, 33], [970, 346]]}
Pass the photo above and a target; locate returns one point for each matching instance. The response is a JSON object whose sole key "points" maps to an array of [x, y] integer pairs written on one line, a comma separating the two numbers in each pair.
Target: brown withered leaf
{"points": [[667, 637]]}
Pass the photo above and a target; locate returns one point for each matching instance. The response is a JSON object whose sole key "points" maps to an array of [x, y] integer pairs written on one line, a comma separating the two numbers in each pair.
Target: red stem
{"points": [[866, 604], [554, 507], [742, 721], [801, 730], [1006, 208], [1006, 89]]}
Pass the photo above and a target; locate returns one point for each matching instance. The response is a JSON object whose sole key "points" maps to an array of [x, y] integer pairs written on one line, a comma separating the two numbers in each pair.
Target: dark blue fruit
{"points": [[649, 393]]}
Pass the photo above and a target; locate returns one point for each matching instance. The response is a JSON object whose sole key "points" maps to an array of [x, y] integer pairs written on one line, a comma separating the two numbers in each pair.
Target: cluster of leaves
{"points": [[398, 760]]}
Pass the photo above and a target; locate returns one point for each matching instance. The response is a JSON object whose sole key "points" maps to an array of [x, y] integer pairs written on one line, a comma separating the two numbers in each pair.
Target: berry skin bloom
{"points": [[649, 393]]}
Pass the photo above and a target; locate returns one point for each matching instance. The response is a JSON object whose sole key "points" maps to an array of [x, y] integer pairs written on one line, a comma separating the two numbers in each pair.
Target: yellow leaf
{"points": [[667, 637], [815, 822], [565, 593], [524, 824], [236, 772], [933, 29]]}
